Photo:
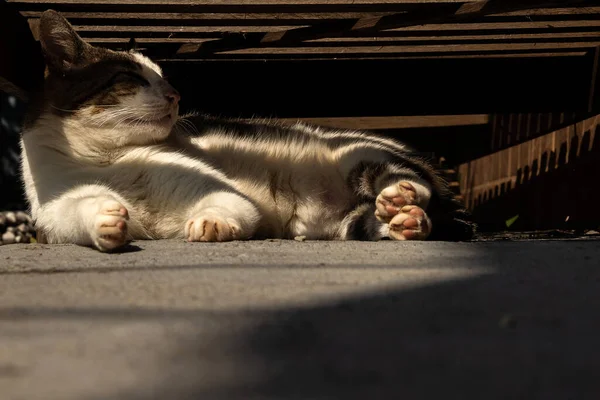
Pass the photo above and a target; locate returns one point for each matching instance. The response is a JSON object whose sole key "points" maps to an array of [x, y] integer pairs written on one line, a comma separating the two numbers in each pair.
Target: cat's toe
{"points": [[110, 226], [391, 200], [412, 223], [209, 229]]}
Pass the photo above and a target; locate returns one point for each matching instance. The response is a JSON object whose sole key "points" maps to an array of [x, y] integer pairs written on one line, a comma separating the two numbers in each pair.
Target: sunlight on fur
{"points": [[107, 159]]}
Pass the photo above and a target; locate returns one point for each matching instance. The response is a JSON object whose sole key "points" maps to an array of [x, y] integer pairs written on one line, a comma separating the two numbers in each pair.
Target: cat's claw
{"points": [[411, 223], [211, 229], [110, 226], [391, 200]]}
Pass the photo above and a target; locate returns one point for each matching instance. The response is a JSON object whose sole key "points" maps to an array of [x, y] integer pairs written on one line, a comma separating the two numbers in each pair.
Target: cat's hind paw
{"points": [[211, 228], [412, 223], [391, 200], [110, 226]]}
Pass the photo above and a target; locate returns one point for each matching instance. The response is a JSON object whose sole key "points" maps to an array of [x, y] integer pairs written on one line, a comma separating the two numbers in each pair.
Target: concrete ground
{"points": [[301, 320]]}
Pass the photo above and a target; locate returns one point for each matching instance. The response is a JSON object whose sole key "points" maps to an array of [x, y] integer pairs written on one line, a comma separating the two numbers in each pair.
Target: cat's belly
{"points": [[318, 207], [315, 221]]}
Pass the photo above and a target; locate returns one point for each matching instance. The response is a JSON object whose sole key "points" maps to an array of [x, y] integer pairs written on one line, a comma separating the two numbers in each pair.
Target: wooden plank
{"points": [[377, 40], [418, 17], [398, 122], [400, 49], [437, 30], [236, 3], [90, 30], [101, 41], [522, 37], [425, 29], [415, 56], [507, 166], [493, 26], [539, 12], [211, 16]]}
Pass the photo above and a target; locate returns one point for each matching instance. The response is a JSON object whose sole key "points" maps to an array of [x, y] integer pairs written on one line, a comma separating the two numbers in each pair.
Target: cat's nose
{"points": [[172, 96]]}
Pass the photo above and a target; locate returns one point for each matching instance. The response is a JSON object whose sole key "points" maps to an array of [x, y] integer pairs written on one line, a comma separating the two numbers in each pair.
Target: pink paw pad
{"points": [[411, 224], [391, 200]]}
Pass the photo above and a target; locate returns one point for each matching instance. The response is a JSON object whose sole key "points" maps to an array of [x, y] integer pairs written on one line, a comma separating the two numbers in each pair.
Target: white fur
{"points": [[78, 169], [105, 178]]}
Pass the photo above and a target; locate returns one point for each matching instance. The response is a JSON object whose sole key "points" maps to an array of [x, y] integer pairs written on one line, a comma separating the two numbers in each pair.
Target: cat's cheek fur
{"points": [[141, 133]]}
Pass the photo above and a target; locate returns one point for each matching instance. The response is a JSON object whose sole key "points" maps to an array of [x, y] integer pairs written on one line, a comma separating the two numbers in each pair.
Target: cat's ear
{"points": [[62, 46], [132, 45]]}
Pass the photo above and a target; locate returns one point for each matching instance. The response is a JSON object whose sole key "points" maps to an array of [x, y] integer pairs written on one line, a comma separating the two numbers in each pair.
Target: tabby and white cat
{"points": [[107, 160]]}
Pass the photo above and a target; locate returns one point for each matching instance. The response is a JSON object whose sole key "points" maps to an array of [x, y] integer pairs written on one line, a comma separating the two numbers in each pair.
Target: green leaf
{"points": [[511, 221]]}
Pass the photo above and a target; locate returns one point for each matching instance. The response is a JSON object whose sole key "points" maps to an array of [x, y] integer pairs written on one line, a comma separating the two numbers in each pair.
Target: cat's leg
{"points": [[400, 196], [89, 215], [362, 224], [222, 216]]}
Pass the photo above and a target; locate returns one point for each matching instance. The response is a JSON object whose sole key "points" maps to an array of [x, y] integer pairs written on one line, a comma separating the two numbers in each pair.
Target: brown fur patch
{"points": [[102, 78]]}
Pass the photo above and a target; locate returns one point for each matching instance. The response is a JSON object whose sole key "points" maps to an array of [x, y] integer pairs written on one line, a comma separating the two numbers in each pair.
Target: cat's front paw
{"points": [[411, 223], [110, 225], [391, 200], [209, 228]]}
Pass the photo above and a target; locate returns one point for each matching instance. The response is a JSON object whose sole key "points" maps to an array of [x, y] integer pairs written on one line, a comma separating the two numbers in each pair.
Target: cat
{"points": [[107, 159]]}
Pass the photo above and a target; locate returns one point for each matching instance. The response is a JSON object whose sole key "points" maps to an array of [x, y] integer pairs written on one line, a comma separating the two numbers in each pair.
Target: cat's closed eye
{"points": [[129, 77]]}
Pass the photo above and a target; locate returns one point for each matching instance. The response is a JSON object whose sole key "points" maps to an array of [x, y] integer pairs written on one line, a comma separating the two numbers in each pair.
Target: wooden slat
{"points": [[334, 46], [399, 122], [522, 37], [538, 12], [90, 30], [323, 30], [236, 3], [534, 39], [489, 31], [398, 49], [494, 26], [502, 168], [336, 28], [108, 41], [210, 16], [414, 56]]}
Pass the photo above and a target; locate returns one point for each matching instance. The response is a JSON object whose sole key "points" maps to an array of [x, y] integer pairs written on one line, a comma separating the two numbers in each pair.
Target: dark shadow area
{"points": [[11, 115], [21, 65], [343, 88], [522, 324], [457, 144]]}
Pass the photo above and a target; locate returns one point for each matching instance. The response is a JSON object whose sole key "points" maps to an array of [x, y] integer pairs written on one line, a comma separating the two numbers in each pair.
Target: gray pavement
{"points": [[301, 320]]}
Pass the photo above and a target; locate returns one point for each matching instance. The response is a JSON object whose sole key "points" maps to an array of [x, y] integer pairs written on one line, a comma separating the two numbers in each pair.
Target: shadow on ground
{"points": [[527, 328]]}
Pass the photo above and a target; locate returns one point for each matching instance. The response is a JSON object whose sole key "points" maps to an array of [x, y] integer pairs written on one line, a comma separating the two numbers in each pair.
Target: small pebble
{"points": [[592, 233], [508, 321], [22, 228], [8, 238], [23, 217], [11, 229], [11, 218], [300, 238]]}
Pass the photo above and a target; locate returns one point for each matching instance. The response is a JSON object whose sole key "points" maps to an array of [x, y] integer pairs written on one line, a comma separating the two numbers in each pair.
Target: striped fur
{"points": [[106, 160]]}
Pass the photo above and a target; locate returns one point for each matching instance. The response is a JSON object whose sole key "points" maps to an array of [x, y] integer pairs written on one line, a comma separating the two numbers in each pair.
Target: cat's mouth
{"points": [[161, 120], [167, 118]]}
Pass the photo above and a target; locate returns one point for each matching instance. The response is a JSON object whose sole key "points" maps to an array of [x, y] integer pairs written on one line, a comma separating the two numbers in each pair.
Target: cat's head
{"points": [[121, 97]]}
